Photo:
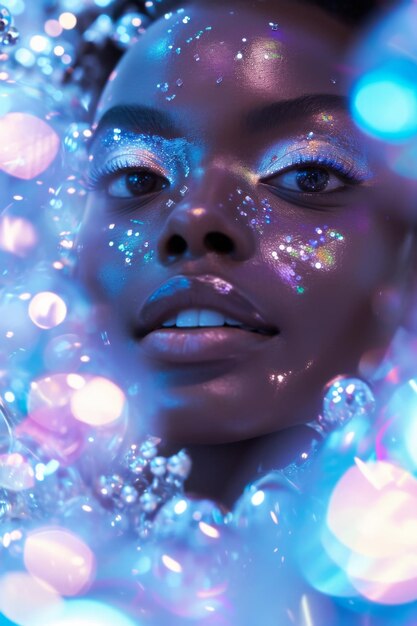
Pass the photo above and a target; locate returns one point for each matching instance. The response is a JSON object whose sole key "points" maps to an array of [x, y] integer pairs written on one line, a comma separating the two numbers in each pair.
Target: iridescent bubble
{"points": [[28, 147], [344, 399], [267, 512], [60, 559], [16, 473], [25, 600], [63, 353], [371, 515], [75, 143], [186, 568], [100, 402], [94, 524], [47, 310]]}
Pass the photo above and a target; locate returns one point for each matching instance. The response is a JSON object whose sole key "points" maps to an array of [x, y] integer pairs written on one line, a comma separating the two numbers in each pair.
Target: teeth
{"points": [[211, 318], [200, 318], [187, 319]]}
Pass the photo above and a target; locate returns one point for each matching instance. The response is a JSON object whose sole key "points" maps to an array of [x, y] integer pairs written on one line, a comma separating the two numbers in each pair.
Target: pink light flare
{"points": [[371, 515], [47, 310], [60, 559], [28, 145], [98, 403], [17, 235], [26, 600]]}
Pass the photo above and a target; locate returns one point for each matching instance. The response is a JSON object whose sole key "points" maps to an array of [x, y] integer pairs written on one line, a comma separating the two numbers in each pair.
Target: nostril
{"points": [[219, 242], [176, 245]]}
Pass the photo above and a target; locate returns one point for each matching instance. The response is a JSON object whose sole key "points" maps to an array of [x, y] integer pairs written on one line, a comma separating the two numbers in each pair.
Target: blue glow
{"points": [[384, 104], [88, 613]]}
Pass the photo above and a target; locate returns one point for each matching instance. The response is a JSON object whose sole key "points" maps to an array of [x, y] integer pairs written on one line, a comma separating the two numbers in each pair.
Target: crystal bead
{"points": [[149, 448], [158, 466], [149, 502], [129, 495], [179, 465], [346, 398]]}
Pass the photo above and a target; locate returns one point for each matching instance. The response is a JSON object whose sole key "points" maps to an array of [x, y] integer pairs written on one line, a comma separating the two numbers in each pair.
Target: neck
{"points": [[220, 472]]}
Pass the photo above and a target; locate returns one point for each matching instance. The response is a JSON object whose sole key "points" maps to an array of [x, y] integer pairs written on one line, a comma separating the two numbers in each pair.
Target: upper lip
{"points": [[203, 292]]}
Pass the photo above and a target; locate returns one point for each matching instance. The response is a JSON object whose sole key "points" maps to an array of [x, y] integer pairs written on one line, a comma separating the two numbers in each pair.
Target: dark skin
{"points": [[257, 202]]}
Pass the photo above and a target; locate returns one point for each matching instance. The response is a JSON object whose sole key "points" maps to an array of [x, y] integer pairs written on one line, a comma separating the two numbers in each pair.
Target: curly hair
{"points": [[94, 62]]}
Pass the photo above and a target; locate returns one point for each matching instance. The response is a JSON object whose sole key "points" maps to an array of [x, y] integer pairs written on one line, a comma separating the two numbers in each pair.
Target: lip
{"points": [[200, 344]]}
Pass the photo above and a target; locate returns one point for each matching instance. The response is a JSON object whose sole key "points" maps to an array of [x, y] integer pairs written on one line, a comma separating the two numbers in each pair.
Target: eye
{"points": [[310, 179], [134, 184]]}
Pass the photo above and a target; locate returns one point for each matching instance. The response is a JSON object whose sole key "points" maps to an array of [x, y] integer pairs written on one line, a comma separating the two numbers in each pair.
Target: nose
{"points": [[197, 227]]}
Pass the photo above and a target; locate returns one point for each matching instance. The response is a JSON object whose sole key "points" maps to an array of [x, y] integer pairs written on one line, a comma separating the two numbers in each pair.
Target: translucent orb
{"points": [[371, 516], [60, 559], [18, 236], [16, 473], [100, 402], [186, 568], [25, 600], [28, 147], [63, 353], [47, 310], [266, 514], [346, 398]]}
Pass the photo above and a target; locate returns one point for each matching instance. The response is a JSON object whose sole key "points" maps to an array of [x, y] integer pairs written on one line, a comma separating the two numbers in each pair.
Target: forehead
{"points": [[211, 60]]}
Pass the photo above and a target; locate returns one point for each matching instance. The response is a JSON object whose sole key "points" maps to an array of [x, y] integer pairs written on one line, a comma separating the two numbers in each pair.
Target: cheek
{"points": [[297, 258], [111, 253]]}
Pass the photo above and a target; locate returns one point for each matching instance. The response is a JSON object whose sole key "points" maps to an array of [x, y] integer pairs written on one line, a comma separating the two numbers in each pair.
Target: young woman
{"points": [[236, 240]]}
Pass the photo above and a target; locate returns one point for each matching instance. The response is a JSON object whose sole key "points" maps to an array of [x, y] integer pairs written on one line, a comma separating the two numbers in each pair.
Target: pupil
{"points": [[312, 179], [141, 183]]}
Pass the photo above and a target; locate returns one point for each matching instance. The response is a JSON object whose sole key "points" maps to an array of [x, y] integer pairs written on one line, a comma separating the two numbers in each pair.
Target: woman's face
{"points": [[232, 241]]}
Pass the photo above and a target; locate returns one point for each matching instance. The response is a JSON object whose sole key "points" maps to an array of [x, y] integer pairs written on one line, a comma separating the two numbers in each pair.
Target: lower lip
{"points": [[201, 345]]}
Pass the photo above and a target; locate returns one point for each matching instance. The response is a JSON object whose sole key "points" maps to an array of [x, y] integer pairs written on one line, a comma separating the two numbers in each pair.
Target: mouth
{"points": [[199, 319]]}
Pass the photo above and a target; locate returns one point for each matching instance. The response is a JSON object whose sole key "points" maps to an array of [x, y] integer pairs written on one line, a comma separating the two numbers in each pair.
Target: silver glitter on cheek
{"points": [[129, 247], [293, 255], [257, 213]]}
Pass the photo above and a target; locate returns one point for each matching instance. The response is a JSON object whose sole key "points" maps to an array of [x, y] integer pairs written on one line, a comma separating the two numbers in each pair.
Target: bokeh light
{"points": [[385, 105], [47, 310], [27, 601], [89, 613], [371, 515], [28, 146], [16, 473], [98, 403], [61, 559], [17, 235]]}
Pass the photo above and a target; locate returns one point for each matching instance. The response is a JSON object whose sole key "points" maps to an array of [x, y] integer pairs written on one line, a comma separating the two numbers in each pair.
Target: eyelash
{"points": [[350, 174], [97, 177]]}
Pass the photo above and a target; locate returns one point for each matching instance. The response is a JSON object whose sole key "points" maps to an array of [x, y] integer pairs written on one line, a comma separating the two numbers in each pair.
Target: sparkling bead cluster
{"points": [[143, 483]]}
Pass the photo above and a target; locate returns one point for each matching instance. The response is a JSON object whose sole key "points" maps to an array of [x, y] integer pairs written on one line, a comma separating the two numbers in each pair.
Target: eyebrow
{"points": [[278, 113], [138, 118]]}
